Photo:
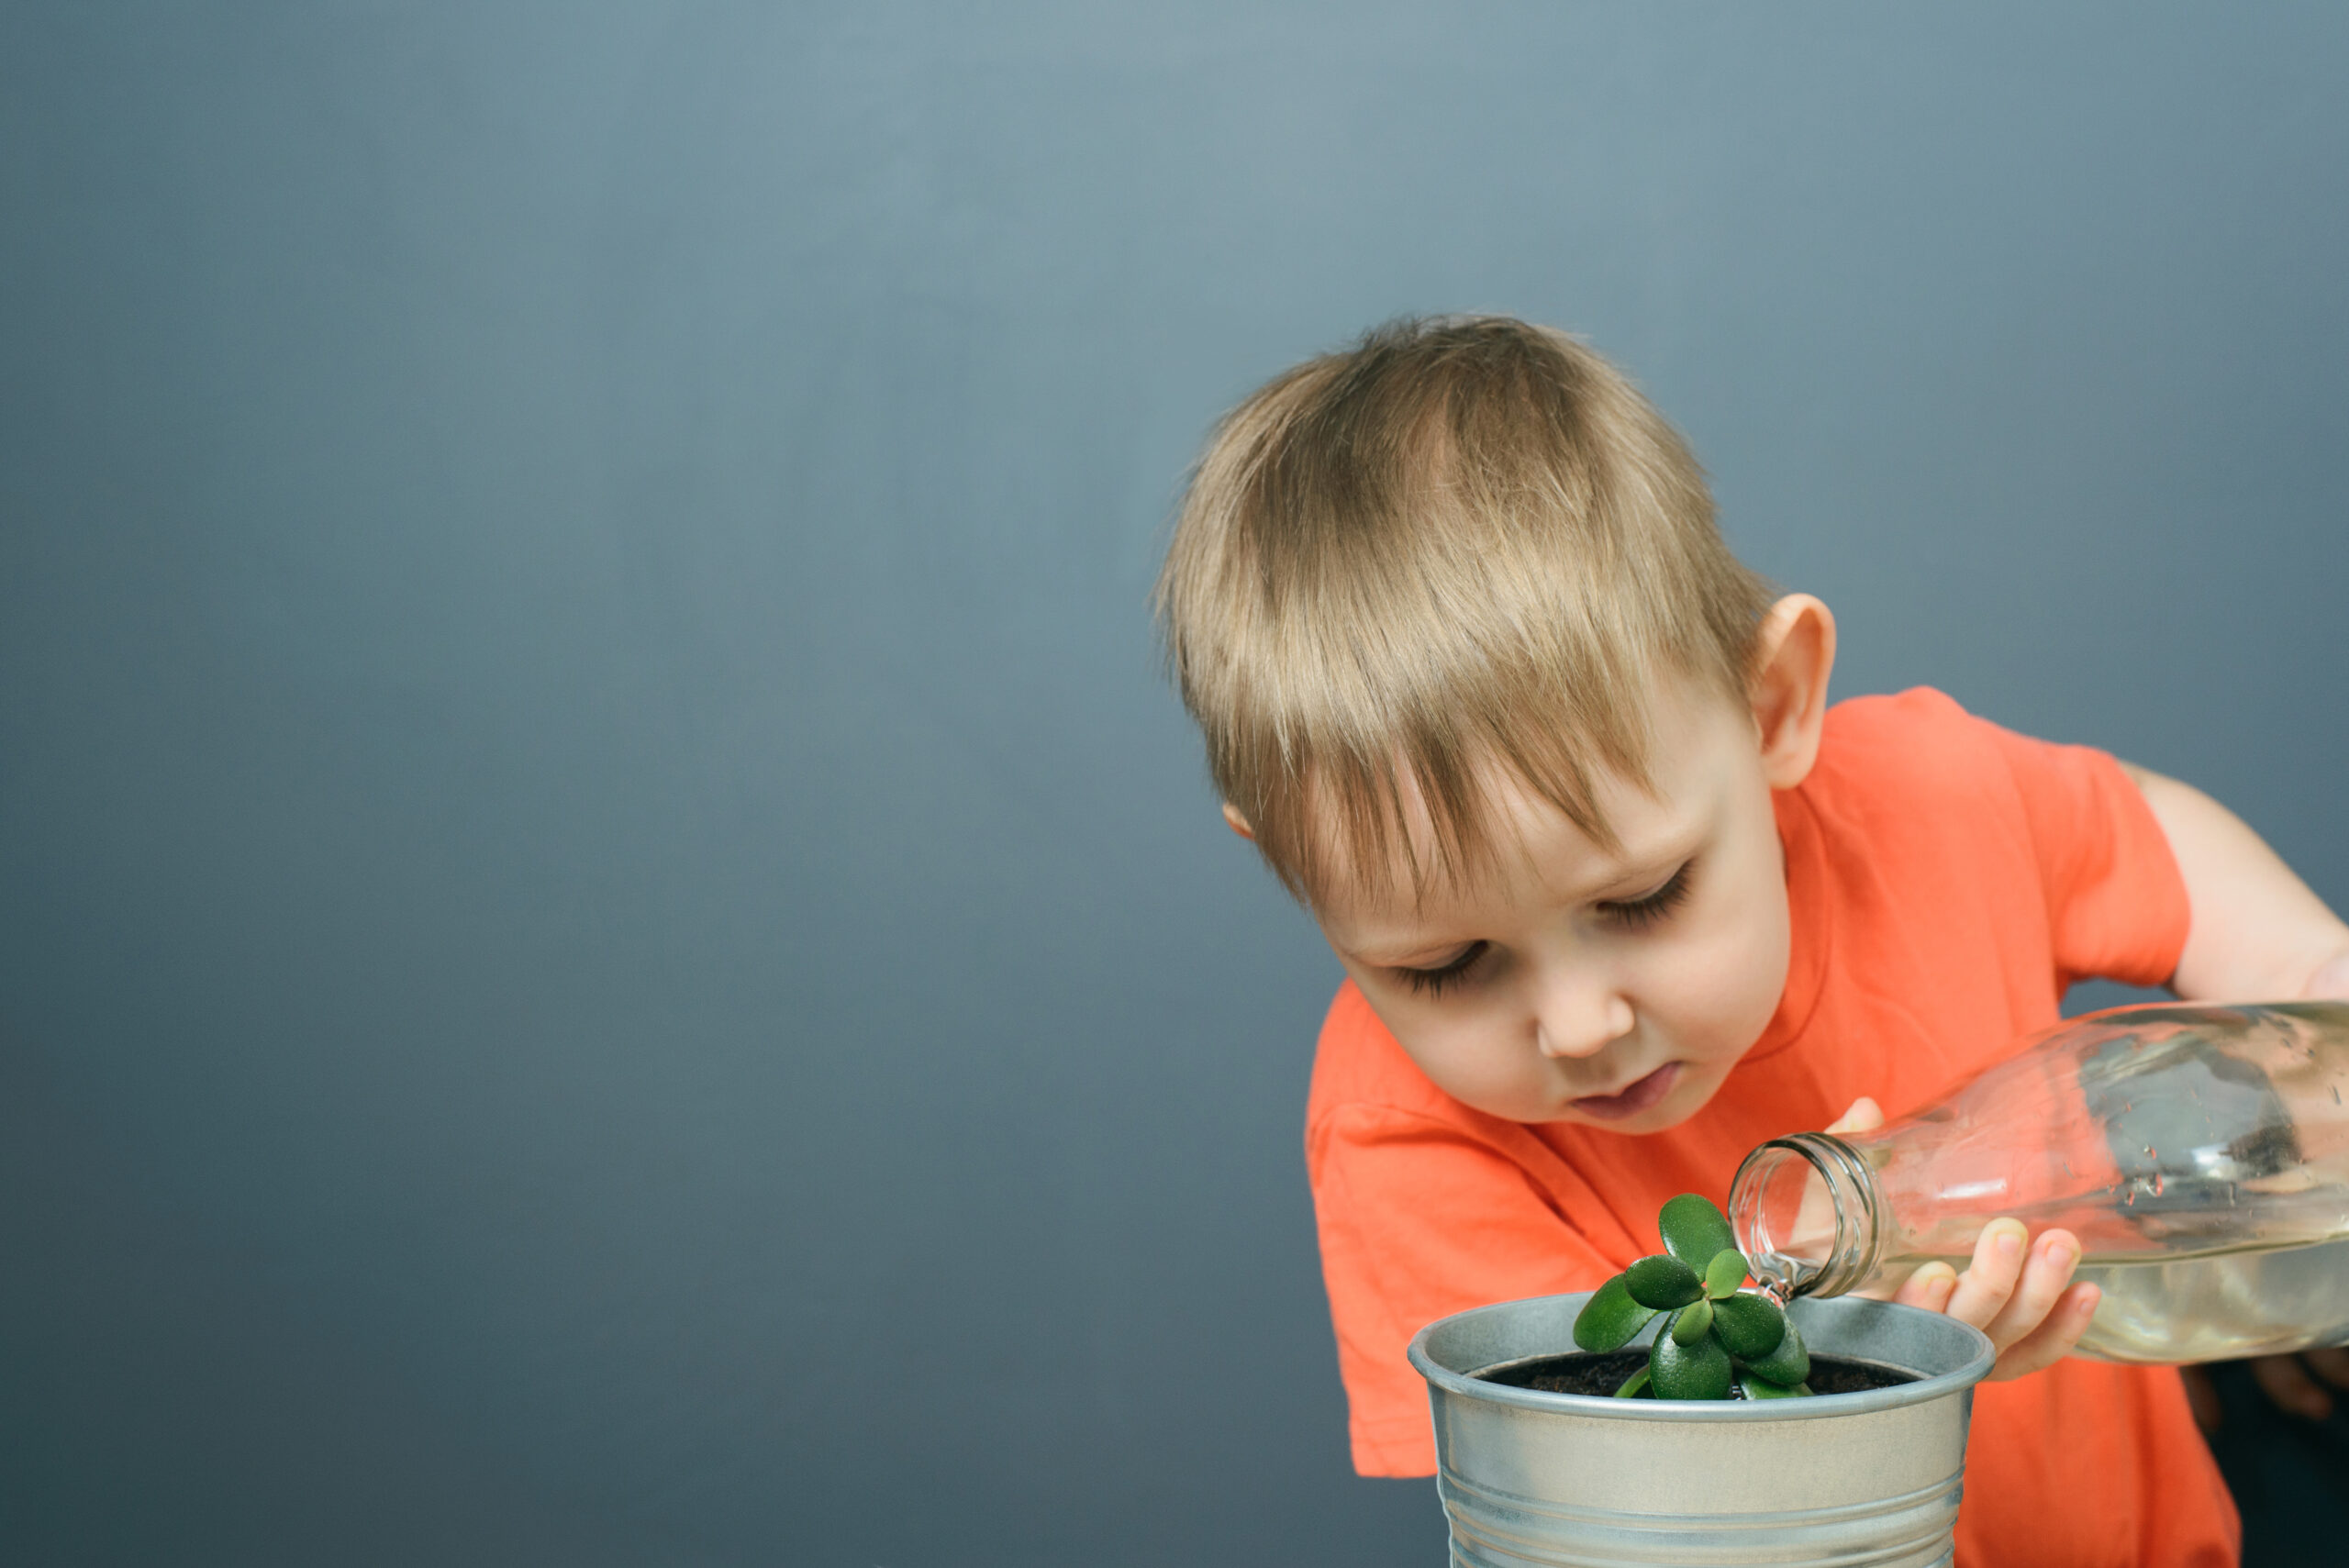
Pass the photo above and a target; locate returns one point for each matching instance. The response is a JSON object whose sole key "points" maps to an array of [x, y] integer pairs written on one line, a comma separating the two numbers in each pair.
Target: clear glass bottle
{"points": [[2200, 1154]]}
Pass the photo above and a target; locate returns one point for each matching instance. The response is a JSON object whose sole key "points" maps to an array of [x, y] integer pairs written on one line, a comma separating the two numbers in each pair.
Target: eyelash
{"points": [[1432, 981], [1641, 913], [1637, 914]]}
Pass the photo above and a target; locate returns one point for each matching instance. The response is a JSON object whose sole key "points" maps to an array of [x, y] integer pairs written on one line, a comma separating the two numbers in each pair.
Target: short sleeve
{"points": [[1419, 1219], [2116, 903]]}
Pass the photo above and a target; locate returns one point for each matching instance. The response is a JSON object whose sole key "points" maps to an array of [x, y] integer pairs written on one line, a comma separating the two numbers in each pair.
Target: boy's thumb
{"points": [[2331, 983], [1864, 1115]]}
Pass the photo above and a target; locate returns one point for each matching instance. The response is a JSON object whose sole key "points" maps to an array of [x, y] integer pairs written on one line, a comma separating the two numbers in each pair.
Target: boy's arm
{"points": [[2256, 932]]}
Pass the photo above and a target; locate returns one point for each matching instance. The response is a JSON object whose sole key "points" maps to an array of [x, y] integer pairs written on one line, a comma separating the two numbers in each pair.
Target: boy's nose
{"points": [[1584, 1026]]}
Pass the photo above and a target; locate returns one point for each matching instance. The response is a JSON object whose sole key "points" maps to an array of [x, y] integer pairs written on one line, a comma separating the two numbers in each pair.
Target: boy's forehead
{"points": [[1533, 848], [1530, 848]]}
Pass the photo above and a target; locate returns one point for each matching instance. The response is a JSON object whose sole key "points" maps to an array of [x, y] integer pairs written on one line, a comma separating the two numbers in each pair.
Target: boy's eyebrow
{"points": [[1634, 874], [1404, 953], [1637, 872], [1643, 874]]}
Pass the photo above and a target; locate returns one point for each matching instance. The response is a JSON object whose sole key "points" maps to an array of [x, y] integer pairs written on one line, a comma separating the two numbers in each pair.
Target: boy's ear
{"points": [[1793, 656], [1239, 823]]}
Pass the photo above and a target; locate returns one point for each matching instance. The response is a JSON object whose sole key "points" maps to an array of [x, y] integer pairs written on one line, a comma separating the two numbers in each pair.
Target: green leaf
{"points": [[1701, 1371], [1762, 1388], [1724, 1273], [1635, 1387], [1789, 1364], [1609, 1318], [1662, 1283], [1694, 1231], [1749, 1326], [1696, 1322]]}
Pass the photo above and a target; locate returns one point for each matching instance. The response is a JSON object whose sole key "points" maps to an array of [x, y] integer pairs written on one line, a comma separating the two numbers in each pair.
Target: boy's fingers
{"points": [[2330, 981], [1864, 1115], [2055, 1336], [1928, 1287], [2046, 1270], [2287, 1382], [1983, 1289], [2332, 1366]]}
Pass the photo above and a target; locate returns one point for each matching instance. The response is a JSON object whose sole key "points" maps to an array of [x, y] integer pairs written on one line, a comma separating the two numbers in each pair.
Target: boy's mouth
{"points": [[1635, 1099]]}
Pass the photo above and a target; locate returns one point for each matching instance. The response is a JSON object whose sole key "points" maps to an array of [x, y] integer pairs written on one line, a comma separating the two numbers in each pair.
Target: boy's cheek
{"points": [[1491, 1076], [1728, 987]]}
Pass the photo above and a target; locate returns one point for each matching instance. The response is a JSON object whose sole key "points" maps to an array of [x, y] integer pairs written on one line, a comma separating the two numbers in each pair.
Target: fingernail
{"points": [[2062, 1254], [2010, 1246]]}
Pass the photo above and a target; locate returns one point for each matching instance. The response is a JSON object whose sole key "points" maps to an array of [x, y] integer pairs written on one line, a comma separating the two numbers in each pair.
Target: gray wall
{"points": [[610, 950]]}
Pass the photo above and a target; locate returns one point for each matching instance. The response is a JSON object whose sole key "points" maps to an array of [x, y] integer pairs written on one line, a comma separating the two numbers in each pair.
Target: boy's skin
{"points": [[1617, 987]]}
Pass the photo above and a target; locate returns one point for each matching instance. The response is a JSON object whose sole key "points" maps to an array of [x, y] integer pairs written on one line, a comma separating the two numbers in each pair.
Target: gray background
{"points": [[610, 950]]}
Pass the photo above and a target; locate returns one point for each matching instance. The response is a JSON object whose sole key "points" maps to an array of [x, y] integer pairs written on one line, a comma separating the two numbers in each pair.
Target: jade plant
{"points": [[1721, 1341]]}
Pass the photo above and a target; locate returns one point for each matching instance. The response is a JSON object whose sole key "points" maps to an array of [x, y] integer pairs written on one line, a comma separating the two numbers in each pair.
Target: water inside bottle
{"points": [[2218, 1307], [2221, 1308]]}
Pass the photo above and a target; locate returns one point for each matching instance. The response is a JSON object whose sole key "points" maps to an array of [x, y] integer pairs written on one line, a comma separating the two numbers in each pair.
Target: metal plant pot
{"points": [[1529, 1477]]}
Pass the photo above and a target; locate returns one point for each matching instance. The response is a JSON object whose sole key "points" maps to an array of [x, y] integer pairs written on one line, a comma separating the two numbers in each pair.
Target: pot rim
{"points": [[1817, 1408]]}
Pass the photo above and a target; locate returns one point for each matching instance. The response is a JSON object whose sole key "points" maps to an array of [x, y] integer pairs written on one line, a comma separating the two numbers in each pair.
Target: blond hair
{"points": [[1464, 542]]}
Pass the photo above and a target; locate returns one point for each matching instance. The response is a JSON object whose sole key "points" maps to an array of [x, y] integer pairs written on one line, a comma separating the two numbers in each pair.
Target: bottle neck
{"points": [[1807, 1215]]}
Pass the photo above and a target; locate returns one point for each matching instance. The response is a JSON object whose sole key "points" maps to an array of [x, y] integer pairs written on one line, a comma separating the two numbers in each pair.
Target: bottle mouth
{"points": [[1804, 1209]]}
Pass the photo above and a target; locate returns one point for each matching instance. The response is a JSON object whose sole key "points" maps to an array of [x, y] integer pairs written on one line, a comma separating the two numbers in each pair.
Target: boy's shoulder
{"points": [[1921, 733], [1916, 757]]}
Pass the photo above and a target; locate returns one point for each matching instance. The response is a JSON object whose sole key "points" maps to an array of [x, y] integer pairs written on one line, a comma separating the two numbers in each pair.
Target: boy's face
{"points": [[1570, 983]]}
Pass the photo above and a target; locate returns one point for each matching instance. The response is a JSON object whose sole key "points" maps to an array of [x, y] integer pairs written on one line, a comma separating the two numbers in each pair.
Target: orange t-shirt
{"points": [[1947, 881]]}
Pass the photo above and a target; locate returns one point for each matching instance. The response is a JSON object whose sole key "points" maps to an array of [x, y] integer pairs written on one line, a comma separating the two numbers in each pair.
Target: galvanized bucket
{"points": [[1563, 1479]]}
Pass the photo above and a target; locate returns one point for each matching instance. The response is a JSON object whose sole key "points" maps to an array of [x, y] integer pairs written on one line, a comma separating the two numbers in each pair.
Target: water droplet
{"points": [[2336, 1094], [2157, 1184]]}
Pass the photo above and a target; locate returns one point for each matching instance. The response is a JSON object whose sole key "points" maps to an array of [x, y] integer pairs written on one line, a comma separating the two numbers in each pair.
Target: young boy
{"points": [[1619, 896]]}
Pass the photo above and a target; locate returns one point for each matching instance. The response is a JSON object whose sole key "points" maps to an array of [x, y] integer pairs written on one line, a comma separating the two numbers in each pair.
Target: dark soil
{"points": [[1603, 1374]]}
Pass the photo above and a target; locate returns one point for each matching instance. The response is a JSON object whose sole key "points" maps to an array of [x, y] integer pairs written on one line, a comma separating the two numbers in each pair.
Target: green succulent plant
{"points": [[1720, 1338]]}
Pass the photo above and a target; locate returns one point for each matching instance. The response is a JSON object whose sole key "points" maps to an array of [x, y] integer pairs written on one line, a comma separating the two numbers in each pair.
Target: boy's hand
{"points": [[2018, 1292]]}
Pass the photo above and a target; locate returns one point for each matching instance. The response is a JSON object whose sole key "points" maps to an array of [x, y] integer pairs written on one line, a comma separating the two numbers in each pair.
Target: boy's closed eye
{"points": [[1649, 909], [1432, 981]]}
